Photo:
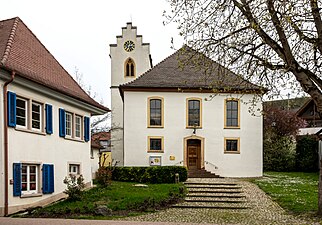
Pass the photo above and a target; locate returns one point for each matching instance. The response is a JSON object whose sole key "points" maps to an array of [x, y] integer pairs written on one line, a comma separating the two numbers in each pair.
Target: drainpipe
{"points": [[6, 142]]}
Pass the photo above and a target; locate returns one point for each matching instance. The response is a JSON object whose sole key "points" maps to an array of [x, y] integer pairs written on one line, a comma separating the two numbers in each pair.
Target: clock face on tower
{"points": [[129, 46]]}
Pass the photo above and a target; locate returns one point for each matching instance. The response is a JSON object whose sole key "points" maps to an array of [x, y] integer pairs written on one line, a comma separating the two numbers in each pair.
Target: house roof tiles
{"points": [[187, 68], [22, 52], [96, 138]]}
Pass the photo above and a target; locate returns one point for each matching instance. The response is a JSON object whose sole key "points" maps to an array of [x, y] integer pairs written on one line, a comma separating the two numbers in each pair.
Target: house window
{"points": [[36, 116], [155, 112], [78, 126], [155, 144], [74, 169], [74, 126], [21, 112], [232, 113], [194, 113], [29, 179], [26, 179], [232, 145], [129, 68], [69, 123]]}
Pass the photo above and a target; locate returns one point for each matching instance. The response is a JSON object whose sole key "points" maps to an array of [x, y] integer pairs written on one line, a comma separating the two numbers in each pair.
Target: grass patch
{"points": [[296, 192], [121, 198]]}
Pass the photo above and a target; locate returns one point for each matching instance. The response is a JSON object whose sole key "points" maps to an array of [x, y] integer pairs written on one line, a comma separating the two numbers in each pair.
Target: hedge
{"points": [[153, 174], [307, 154]]}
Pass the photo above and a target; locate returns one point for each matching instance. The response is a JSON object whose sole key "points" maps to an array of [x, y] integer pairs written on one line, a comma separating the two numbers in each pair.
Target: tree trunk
{"points": [[320, 188]]}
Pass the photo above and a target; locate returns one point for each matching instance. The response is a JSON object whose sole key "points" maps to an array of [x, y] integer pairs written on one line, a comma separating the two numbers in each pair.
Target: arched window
{"points": [[232, 113], [194, 112], [155, 112], [129, 68]]}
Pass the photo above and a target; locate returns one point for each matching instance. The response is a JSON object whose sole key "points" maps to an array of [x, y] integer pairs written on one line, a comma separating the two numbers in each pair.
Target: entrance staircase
{"points": [[201, 173], [214, 194]]}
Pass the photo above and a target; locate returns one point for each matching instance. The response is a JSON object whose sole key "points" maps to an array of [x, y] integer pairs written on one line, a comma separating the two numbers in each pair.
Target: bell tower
{"points": [[130, 58]]}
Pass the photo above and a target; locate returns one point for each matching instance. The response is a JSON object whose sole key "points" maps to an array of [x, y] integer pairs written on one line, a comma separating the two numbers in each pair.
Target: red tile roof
{"points": [[100, 136], [22, 52]]}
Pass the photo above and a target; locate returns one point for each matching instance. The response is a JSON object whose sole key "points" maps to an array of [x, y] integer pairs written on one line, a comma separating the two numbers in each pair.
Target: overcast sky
{"points": [[78, 32]]}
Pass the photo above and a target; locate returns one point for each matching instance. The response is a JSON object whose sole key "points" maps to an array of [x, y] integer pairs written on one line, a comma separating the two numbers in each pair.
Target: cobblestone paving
{"points": [[262, 210]]}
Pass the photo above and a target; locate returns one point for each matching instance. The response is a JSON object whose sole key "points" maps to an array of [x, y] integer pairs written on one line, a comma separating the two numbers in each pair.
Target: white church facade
{"points": [[187, 110]]}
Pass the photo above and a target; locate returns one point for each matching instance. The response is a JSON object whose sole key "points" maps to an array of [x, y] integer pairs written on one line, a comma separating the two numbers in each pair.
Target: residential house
{"points": [[100, 151], [187, 110], [45, 122], [304, 108]]}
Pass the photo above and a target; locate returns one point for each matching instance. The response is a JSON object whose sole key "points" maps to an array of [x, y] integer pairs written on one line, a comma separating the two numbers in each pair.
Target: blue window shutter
{"points": [[87, 128], [62, 123], [11, 109], [48, 179], [16, 179], [49, 119]]}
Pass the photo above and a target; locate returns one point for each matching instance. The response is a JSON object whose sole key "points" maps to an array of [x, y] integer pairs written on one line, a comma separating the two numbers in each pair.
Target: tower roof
{"points": [[22, 52], [189, 69]]}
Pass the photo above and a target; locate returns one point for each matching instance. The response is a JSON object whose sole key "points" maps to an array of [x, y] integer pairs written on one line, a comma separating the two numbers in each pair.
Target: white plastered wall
{"points": [[141, 57], [246, 164], [30, 147]]}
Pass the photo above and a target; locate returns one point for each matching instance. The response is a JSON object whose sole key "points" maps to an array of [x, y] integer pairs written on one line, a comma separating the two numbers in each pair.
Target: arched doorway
{"points": [[194, 153]]}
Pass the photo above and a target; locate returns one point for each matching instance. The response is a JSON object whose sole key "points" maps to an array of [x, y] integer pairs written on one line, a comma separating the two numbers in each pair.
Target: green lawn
{"points": [[122, 198], [295, 191]]}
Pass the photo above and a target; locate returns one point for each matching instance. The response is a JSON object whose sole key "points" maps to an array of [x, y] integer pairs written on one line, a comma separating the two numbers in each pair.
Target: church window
{"points": [[194, 113], [155, 144], [232, 113], [232, 145], [129, 68], [155, 112]]}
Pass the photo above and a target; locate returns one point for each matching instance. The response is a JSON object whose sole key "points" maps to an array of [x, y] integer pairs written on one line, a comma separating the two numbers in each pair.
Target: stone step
{"points": [[224, 191], [198, 205], [214, 183], [215, 200], [212, 187], [201, 174], [217, 195]]}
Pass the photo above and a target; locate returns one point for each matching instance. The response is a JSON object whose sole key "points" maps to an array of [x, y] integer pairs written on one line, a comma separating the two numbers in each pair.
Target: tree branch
{"points": [[318, 22]]}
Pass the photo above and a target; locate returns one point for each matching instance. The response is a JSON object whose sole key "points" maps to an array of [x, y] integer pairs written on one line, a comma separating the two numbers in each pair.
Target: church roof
{"points": [[189, 69], [22, 52]]}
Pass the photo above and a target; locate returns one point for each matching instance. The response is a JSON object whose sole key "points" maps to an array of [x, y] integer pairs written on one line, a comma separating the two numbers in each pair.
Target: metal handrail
{"points": [[216, 167], [178, 163]]}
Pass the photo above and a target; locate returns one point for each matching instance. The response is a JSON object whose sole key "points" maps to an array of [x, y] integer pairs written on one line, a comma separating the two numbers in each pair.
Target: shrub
{"points": [[307, 154], [279, 154], [104, 174], [75, 186], [153, 174]]}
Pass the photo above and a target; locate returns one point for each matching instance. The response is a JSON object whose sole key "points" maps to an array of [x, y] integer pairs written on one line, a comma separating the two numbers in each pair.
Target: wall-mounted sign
{"points": [[155, 160]]}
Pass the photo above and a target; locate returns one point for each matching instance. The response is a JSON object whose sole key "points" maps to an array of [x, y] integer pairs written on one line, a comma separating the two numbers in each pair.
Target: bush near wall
{"points": [[307, 154], [153, 174], [279, 154]]}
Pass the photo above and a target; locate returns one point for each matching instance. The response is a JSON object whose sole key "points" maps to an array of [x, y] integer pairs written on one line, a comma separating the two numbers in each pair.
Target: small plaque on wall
{"points": [[172, 157], [155, 160]]}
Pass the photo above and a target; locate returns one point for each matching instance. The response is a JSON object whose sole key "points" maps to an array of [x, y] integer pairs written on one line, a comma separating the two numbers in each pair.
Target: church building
{"points": [[187, 110]]}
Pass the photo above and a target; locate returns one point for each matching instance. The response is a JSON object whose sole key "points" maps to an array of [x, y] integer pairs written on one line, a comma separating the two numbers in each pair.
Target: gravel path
{"points": [[262, 210]]}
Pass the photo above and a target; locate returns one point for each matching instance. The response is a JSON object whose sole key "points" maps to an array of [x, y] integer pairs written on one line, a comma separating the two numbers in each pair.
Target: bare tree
{"points": [[274, 43], [98, 123]]}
